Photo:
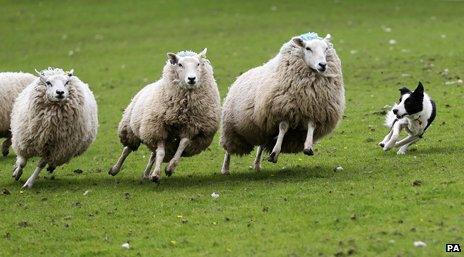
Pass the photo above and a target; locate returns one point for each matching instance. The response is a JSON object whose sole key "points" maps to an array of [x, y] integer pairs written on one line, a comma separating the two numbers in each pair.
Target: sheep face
{"points": [[56, 86], [314, 52], [188, 68]]}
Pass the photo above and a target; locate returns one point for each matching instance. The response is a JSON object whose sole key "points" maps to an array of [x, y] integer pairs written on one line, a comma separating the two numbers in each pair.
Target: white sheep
{"points": [[54, 118], [298, 94], [176, 116], [11, 84]]}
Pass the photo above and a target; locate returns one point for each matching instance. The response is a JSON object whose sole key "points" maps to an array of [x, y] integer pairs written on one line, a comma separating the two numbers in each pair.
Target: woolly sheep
{"points": [[54, 118], [298, 94], [11, 84], [181, 110]]}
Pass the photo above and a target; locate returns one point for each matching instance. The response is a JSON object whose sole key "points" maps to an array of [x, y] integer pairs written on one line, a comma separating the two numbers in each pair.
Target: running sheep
{"points": [[286, 104], [54, 118], [11, 84], [176, 116]]}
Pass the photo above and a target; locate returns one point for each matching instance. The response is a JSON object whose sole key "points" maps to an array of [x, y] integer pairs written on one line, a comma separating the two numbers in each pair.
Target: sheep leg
{"points": [[226, 164], [156, 174], [175, 160], [150, 163], [117, 167], [405, 145], [6, 146], [30, 181], [283, 128], [51, 169], [396, 129], [19, 166], [257, 162], [308, 145]]}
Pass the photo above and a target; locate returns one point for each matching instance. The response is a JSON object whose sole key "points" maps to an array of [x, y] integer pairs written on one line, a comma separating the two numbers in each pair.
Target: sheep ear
{"points": [[202, 54], [70, 73], [173, 59], [298, 41], [328, 38], [41, 76]]}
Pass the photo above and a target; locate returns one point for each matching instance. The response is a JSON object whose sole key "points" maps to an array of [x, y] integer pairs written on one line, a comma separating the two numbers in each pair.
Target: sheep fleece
{"points": [[284, 88], [164, 111], [55, 132], [11, 84]]}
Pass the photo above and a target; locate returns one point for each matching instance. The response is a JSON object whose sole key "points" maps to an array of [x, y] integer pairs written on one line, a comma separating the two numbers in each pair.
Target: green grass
{"points": [[297, 207]]}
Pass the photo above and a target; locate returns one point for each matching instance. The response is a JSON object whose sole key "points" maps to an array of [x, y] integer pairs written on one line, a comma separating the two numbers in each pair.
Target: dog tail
{"points": [[390, 119]]}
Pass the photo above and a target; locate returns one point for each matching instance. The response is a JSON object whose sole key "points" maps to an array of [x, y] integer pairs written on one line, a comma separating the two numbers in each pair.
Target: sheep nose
{"points": [[191, 80], [322, 66], [395, 111], [59, 92]]}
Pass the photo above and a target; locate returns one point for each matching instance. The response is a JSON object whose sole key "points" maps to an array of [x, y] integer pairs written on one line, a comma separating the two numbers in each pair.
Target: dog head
{"points": [[410, 103]]}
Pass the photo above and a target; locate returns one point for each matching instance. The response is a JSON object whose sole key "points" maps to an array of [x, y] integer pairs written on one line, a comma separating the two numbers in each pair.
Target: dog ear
{"points": [[404, 90], [420, 88]]}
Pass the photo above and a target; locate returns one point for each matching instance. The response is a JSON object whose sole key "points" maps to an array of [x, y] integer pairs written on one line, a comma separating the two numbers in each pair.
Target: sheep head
{"points": [[314, 50], [188, 67]]}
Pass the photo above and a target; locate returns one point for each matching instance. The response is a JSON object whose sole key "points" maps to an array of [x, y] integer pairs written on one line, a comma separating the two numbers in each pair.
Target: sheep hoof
{"points": [[168, 171], [272, 158], [155, 178], [381, 144], [17, 174], [308, 151], [112, 171], [50, 169]]}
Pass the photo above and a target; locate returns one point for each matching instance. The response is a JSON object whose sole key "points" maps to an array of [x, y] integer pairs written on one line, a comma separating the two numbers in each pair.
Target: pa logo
{"points": [[453, 248]]}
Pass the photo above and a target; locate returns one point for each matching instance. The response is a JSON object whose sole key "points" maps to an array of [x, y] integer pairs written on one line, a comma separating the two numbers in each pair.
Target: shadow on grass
{"points": [[176, 182]]}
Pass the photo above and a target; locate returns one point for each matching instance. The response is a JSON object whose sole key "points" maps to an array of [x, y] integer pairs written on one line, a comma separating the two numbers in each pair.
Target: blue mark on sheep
{"points": [[310, 36]]}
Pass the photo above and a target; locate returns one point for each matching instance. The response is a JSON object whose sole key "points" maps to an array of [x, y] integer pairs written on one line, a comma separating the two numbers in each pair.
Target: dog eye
{"points": [[198, 64], [67, 82], [48, 83], [180, 65], [309, 49]]}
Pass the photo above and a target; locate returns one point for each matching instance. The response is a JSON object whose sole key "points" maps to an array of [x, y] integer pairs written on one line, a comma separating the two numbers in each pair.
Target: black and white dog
{"points": [[414, 112]]}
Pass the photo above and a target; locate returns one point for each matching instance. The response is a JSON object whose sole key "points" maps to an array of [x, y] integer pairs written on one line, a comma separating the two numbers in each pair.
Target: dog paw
{"points": [[381, 144], [401, 152]]}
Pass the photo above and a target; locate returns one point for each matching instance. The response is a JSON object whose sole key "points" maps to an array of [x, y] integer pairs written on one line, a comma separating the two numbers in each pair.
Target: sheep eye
{"points": [[309, 49]]}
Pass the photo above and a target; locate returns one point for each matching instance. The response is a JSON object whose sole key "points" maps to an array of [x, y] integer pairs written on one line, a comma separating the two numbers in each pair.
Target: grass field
{"points": [[377, 206]]}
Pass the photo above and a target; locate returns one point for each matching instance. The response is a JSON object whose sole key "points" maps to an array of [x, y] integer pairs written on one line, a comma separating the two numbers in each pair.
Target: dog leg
{"points": [[386, 138], [117, 167], [396, 129], [308, 145], [226, 164], [175, 160], [257, 162], [283, 128], [405, 143], [156, 174]]}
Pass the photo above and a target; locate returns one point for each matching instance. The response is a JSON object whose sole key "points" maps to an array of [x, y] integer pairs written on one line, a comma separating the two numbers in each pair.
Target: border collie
{"points": [[414, 112]]}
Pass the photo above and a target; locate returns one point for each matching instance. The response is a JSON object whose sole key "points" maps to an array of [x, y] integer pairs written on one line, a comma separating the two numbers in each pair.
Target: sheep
{"points": [[298, 94], [181, 110], [11, 84], [54, 118]]}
